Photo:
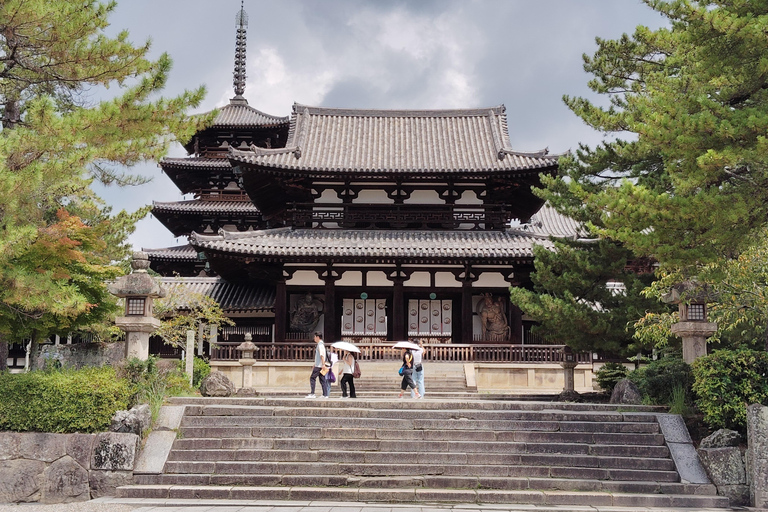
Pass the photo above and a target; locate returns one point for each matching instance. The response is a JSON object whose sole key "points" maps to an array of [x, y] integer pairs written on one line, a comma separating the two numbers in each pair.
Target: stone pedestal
{"points": [[694, 336], [137, 332]]}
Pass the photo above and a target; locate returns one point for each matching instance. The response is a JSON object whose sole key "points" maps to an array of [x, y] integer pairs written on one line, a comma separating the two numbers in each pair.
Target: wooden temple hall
{"points": [[368, 225]]}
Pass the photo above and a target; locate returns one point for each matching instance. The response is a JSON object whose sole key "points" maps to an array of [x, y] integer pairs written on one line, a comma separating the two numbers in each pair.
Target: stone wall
{"points": [[79, 355], [61, 468]]}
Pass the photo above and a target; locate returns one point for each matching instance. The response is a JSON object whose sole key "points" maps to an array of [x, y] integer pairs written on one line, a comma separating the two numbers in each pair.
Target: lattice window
{"points": [[135, 307], [696, 312]]}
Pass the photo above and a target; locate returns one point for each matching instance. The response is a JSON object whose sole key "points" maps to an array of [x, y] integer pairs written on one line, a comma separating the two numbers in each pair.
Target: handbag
{"points": [[400, 371], [356, 372], [324, 370], [331, 377], [418, 367]]}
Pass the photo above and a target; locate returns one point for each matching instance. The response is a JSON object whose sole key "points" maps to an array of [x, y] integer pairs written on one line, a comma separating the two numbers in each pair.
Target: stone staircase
{"points": [[428, 451]]}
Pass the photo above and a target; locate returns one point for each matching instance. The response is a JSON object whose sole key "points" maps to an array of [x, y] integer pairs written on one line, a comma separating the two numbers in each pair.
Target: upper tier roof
{"points": [[238, 114], [335, 141]]}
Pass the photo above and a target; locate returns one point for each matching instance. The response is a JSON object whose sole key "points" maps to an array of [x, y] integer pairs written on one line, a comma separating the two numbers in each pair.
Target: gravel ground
{"points": [[80, 506]]}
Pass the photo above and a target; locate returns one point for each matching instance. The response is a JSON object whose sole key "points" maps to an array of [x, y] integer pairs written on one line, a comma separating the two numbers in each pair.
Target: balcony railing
{"points": [[376, 351]]}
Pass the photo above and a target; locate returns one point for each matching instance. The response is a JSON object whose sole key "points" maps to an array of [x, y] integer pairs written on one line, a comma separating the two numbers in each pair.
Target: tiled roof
{"points": [[547, 222], [330, 141], [380, 245], [206, 206], [239, 115], [195, 163], [230, 296], [177, 253]]}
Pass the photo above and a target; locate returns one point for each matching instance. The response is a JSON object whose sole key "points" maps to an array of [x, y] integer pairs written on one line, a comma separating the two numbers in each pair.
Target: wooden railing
{"points": [[304, 351]]}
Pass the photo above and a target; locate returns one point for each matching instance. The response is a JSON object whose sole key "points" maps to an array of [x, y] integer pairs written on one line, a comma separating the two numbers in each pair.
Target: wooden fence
{"points": [[498, 353]]}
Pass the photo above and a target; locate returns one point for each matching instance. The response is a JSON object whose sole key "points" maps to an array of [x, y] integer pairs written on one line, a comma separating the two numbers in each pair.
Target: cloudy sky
{"points": [[393, 54]]}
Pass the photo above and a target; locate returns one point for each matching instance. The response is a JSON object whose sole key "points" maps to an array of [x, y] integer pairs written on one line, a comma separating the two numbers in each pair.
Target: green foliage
{"points": [[61, 401], [609, 374], [679, 401], [152, 380], [200, 370], [183, 311], [659, 379], [726, 381], [685, 181], [572, 302], [58, 241]]}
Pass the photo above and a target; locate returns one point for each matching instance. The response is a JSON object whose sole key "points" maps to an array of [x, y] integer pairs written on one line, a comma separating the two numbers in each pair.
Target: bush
{"points": [[200, 370], [726, 381], [152, 380], [609, 375], [659, 379], [62, 401]]}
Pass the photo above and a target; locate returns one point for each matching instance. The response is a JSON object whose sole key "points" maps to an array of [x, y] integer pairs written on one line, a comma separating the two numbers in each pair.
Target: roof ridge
{"points": [[454, 112]]}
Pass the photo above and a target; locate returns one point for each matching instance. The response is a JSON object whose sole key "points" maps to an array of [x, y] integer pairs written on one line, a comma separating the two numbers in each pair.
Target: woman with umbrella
{"points": [[407, 372], [348, 368]]}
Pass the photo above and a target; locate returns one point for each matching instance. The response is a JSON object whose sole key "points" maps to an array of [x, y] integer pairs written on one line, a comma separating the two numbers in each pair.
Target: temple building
{"points": [[368, 225]]}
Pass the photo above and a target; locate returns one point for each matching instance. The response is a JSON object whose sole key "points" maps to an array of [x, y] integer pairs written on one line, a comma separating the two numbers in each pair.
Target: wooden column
{"points": [[330, 331], [399, 325], [467, 277], [281, 310]]}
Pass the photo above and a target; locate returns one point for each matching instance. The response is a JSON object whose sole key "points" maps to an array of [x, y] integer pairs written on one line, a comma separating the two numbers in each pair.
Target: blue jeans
{"points": [[418, 379], [324, 384]]}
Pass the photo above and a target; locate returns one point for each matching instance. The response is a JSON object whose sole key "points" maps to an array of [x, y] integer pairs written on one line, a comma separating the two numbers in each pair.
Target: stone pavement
{"points": [[153, 505]]}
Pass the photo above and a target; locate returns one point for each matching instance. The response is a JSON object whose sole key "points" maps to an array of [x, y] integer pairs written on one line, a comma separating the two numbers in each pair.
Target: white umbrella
{"points": [[406, 344], [345, 345]]}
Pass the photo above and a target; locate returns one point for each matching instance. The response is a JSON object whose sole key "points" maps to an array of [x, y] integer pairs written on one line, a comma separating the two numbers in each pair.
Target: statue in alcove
{"points": [[305, 313], [493, 319]]}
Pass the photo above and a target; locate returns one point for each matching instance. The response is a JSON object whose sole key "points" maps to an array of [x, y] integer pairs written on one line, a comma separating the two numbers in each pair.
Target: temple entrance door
{"points": [[430, 319], [364, 319]]}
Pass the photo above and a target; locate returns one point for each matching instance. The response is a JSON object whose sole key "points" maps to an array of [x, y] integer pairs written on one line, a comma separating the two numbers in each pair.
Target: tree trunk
{"points": [[3, 354]]}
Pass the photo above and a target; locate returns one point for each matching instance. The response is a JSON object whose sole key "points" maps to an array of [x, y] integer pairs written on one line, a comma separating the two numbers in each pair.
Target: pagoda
{"points": [[369, 225]]}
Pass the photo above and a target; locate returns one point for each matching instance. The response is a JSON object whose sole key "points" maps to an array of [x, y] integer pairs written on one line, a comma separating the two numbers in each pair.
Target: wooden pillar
{"points": [[467, 278], [399, 325], [330, 331], [281, 307]]}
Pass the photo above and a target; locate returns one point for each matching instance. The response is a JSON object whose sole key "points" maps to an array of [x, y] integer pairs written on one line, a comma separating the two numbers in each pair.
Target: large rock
{"points": [[115, 451], [722, 438], [21, 480], [217, 384], [724, 465], [626, 392], [105, 483], [64, 481], [136, 421]]}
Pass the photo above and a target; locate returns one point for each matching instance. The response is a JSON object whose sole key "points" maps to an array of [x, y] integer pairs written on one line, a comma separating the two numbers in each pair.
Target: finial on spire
{"points": [[241, 22]]}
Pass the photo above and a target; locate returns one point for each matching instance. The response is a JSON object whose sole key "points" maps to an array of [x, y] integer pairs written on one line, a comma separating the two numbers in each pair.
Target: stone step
{"points": [[422, 495], [504, 457], [592, 443], [502, 465], [436, 482]]}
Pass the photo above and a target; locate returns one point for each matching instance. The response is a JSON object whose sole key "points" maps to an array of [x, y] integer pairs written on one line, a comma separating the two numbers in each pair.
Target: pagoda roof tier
{"points": [[232, 297], [548, 222], [177, 253], [194, 173], [327, 142], [374, 246], [239, 116], [183, 217], [179, 260]]}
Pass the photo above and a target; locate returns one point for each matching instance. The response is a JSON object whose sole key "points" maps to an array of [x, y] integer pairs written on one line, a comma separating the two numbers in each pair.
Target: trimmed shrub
{"points": [[62, 401], [726, 381], [659, 380], [609, 374]]}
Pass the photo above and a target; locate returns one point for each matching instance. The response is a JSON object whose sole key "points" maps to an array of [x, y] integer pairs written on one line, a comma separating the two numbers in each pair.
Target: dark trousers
{"points": [[347, 378], [324, 384], [407, 379]]}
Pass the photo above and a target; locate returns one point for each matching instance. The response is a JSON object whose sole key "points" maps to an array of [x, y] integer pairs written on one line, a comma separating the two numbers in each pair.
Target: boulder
{"points": [[724, 465], [114, 451], [217, 384], [722, 438], [105, 483], [64, 481], [626, 392], [20, 480], [136, 421]]}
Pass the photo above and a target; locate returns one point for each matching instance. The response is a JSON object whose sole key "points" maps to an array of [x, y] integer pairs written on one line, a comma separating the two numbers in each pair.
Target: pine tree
{"points": [[686, 182], [58, 242]]}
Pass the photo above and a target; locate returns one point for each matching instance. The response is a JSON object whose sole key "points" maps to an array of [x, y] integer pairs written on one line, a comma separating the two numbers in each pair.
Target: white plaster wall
{"points": [[418, 279], [447, 280], [490, 280], [305, 278], [373, 196], [351, 278], [424, 197], [378, 279]]}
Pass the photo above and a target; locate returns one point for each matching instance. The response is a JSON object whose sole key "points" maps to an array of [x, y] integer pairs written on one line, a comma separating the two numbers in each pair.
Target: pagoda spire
{"points": [[241, 22]]}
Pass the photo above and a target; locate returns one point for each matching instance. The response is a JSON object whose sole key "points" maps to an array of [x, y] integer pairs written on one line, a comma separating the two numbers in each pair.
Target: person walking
{"points": [[320, 369], [418, 370], [348, 375], [407, 374]]}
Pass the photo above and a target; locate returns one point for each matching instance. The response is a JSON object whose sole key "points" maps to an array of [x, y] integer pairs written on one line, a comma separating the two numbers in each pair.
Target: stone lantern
{"points": [[691, 299], [568, 363], [248, 348], [138, 289]]}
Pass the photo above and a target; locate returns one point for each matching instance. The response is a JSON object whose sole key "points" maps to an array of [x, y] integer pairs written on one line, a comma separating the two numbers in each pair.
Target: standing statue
{"points": [[493, 320], [305, 314]]}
